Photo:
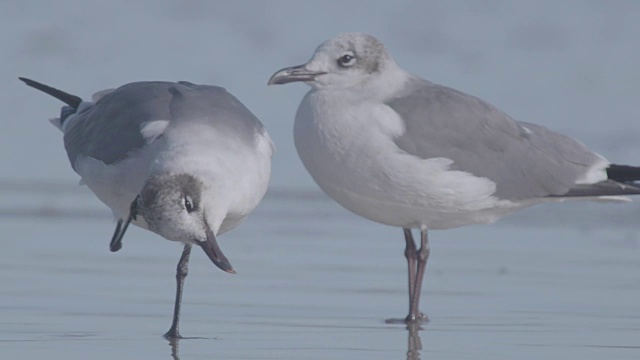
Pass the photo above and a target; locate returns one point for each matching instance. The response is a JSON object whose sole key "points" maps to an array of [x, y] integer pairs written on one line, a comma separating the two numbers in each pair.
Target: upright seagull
{"points": [[406, 152], [188, 162]]}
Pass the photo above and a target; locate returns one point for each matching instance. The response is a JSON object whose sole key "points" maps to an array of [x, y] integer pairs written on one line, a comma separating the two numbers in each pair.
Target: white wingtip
{"points": [[597, 172], [56, 122], [615, 199]]}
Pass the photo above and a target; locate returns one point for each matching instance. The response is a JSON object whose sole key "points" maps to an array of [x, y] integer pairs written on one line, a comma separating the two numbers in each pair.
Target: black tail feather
{"points": [[67, 98], [623, 173]]}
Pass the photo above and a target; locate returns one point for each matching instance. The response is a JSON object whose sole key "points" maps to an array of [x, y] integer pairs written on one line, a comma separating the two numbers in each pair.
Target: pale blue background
{"points": [[314, 281], [570, 65]]}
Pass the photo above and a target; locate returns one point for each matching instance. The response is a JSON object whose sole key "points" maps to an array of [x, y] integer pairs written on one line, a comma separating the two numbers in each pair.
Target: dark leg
{"points": [[181, 274], [411, 253], [116, 241], [423, 256]]}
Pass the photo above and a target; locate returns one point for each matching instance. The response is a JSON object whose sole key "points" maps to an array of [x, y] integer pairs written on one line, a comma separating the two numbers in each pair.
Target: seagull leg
{"points": [[423, 256], [181, 274], [411, 253], [116, 241]]}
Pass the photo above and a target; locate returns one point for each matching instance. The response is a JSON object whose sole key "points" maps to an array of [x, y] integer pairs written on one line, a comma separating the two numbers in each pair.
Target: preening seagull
{"points": [[188, 162], [403, 151]]}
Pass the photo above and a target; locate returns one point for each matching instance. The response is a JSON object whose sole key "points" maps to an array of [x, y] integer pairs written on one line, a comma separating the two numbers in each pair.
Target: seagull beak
{"points": [[211, 248], [294, 73]]}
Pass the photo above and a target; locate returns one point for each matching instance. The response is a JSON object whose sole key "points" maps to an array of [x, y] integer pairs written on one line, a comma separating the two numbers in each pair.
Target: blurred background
{"points": [[570, 65], [557, 280]]}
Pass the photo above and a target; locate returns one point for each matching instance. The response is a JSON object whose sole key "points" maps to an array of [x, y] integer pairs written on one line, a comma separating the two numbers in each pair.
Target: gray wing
{"points": [[215, 107], [109, 130], [524, 160]]}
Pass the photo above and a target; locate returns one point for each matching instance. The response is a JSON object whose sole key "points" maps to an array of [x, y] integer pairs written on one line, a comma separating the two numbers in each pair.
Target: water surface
{"points": [[315, 282]]}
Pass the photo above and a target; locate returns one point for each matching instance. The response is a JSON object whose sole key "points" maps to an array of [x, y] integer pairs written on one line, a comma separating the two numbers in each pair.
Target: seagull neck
{"points": [[390, 81], [378, 88]]}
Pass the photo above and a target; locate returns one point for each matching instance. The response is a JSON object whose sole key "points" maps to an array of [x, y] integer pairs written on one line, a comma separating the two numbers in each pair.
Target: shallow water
{"points": [[315, 282]]}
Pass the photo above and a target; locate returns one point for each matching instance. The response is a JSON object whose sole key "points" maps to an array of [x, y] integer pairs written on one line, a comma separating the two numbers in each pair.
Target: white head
{"points": [[346, 61], [173, 206]]}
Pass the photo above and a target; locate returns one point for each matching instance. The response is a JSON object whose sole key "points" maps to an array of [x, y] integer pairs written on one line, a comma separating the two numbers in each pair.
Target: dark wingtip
{"points": [[71, 100], [623, 173]]}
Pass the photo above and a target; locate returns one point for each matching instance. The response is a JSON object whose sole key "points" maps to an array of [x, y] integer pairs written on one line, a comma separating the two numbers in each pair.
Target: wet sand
{"points": [[315, 282]]}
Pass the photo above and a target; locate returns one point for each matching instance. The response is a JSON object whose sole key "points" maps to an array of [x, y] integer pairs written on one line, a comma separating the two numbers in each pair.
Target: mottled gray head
{"points": [[171, 206], [347, 60]]}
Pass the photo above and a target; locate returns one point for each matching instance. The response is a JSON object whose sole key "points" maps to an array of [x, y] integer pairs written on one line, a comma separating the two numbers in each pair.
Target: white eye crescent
{"points": [[188, 204], [347, 59]]}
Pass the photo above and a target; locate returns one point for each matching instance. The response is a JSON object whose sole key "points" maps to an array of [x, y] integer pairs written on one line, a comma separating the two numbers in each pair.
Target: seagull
{"points": [[406, 152], [187, 162]]}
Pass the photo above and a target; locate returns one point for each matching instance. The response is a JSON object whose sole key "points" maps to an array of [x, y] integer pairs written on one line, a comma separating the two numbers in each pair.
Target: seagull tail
{"points": [[622, 180], [71, 100], [623, 173]]}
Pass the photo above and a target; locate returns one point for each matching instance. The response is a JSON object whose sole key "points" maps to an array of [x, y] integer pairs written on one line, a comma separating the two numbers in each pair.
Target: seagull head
{"points": [[346, 61], [175, 206]]}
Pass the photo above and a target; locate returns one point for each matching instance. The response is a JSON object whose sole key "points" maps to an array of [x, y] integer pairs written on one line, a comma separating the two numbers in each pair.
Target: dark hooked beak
{"points": [[294, 73], [116, 239], [211, 248]]}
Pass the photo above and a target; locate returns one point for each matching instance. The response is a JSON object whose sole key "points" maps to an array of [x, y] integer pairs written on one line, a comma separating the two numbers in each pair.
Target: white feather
{"points": [[153, 129], [597, 173]]}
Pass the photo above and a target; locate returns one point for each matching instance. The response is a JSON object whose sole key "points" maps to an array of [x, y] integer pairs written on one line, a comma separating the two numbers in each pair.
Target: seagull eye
{"points": [[188, 204], [347, 60]]}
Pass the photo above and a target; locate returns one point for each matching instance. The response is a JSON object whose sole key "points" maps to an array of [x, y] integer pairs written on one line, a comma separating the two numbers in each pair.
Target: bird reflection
{"points": [[175, 348], [414, 343]]}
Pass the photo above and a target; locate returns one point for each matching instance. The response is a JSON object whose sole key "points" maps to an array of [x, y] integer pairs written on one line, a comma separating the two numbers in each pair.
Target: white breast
{"points": [[236, 173], [252, 171]]}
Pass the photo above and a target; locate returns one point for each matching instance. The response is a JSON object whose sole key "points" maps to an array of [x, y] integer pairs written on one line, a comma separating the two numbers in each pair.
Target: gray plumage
{"points": [[369, 53], [191, 102], [110, 129], [168, 191], [524, 160]]}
